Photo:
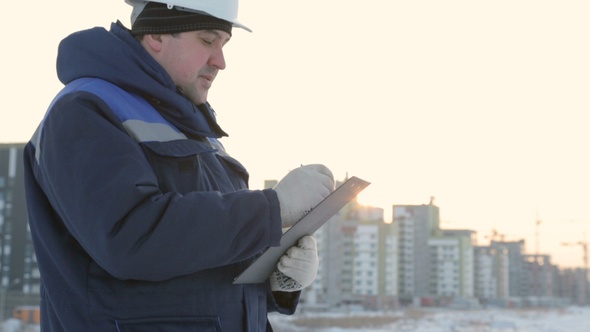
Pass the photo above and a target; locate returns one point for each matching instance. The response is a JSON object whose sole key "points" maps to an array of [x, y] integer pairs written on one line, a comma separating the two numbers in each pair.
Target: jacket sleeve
{"points": [[106, 194], [282, 302]]}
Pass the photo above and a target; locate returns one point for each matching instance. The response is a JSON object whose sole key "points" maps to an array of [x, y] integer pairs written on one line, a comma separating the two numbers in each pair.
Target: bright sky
{"points": [[482, 104]]}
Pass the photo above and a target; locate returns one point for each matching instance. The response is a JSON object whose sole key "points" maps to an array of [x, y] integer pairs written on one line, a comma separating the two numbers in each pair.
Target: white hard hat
{"points": [[226, 10]]}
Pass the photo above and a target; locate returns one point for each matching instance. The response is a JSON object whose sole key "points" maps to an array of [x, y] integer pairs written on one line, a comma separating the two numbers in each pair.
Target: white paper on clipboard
{"points": [[266, 264]]}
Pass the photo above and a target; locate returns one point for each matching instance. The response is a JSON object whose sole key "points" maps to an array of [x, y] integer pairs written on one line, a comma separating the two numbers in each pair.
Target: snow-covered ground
{"points": [[572, 319]]}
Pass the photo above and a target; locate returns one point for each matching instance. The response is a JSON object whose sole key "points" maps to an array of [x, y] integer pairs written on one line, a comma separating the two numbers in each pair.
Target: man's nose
{"points": [[217, 60]]}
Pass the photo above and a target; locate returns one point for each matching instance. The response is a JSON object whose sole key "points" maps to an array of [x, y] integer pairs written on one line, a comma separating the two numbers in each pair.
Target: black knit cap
{"points": [[156, 18]]}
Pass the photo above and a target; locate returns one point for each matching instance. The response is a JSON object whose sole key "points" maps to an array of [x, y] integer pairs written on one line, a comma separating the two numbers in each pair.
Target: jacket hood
{"points": [[117, 57]]}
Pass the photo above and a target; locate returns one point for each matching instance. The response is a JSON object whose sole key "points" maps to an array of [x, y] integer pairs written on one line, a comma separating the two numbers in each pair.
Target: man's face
{"points": [[193, 60]]}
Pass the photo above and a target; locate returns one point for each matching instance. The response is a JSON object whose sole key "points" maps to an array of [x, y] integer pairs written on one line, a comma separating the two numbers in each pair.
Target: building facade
{"points": [[415, 225], [517, 281], [357, 254], [491, 275], [538, 279], [19, 273]]}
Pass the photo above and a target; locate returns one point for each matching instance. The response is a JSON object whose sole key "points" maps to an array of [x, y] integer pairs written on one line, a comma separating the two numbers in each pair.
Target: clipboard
{"points": [[263, 266]]}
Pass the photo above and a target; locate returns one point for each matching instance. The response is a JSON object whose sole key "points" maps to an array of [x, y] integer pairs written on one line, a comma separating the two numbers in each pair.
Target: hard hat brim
{"points": [[237, 24]]}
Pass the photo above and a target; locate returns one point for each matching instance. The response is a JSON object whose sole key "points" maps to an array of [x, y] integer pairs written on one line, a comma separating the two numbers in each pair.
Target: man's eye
{"points": [[208, 42]]}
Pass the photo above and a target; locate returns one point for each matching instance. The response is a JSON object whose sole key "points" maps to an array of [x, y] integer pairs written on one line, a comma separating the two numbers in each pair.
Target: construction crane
{"points": [[537, 236], [493, 236], [496, 236], [584, 245]]}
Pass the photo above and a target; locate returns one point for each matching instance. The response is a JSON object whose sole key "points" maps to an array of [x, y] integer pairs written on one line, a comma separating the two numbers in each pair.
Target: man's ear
{"points": [[154, 42]]}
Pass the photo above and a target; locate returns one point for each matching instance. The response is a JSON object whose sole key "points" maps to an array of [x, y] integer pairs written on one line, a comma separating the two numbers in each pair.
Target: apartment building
{"points": [[572, 286], [332, 286], [415, 225], [538, 278], [19, 273], [357, 252], [516, 280], [491, 275], [375, 277], [452, 273]]}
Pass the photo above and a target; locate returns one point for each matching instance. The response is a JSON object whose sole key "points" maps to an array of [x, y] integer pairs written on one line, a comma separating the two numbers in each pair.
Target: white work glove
{"points": [[297, 268], [301, 190]]}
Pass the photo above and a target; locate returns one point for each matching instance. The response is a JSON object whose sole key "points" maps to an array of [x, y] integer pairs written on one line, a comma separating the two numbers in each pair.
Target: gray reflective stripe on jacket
{"points": [[140, 119], [143, 131]]}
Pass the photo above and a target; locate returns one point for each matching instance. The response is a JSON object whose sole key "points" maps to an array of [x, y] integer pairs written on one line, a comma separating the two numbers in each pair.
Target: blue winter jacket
{"points": [[139, 219]]}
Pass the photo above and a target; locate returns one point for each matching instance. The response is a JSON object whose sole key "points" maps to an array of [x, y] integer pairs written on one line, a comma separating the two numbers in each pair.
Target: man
{"points": [[139, 218]]}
